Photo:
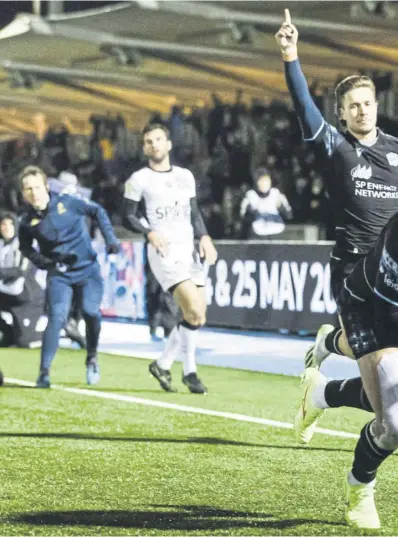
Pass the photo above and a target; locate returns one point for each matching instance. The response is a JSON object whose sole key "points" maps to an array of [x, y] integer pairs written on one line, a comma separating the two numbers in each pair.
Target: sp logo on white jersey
{"points": [[361, 172], [392, 159]]}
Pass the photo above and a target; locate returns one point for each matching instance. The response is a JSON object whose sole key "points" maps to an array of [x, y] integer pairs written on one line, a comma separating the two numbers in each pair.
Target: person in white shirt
{"points": [[171, 210], [264, 208]]}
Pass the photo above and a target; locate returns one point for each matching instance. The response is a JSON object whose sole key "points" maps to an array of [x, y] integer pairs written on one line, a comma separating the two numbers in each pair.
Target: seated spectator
{"points": [[264, 208], [21, 296]]}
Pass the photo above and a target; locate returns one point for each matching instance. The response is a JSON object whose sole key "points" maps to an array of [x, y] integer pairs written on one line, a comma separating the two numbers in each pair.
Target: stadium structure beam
{"points": [[42, 27], [45, 103], [55, 7], [109, 8], [85, 74], [162, 84], [36, 7], [208, 10]]}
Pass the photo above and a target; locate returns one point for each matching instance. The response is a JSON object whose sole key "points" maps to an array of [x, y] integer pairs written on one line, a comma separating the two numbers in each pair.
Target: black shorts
{"points": [[341, 266], [370, 326]]}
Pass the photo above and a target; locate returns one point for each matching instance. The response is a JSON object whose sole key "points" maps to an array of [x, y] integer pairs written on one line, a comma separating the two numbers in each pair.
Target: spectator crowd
{"points": [[225, 146]]}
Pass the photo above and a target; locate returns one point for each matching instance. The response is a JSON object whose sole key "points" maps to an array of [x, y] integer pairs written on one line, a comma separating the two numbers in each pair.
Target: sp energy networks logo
{"points": [[361, 172]]}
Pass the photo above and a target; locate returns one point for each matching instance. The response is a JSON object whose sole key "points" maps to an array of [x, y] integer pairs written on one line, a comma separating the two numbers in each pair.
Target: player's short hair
{"points": [[31, 170], [261, 172], [349, 83], [149, 127]]}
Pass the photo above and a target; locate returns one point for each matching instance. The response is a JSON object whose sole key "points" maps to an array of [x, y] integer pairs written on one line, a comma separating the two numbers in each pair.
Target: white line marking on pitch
{"points": [[180, 408]]}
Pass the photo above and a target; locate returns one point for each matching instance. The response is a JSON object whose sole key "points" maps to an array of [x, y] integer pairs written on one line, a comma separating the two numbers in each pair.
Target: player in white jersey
{"points": [[171, 210]]}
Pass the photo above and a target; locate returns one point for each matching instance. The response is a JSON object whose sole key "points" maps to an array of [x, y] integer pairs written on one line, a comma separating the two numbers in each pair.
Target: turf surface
{"points": [[78, 465]]}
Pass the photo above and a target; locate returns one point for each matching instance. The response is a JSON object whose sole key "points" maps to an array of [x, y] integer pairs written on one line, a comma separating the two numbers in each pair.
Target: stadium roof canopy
{"points": [[137, 57]]}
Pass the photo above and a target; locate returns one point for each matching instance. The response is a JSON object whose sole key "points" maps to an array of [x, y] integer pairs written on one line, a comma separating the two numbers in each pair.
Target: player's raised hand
{"points": [[207, 250], [159, 242], [287, 35]]}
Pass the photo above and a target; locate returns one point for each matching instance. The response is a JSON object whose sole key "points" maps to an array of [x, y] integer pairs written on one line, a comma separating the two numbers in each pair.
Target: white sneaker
{"points": [[360, 510], [317, 353], [308, 414]]}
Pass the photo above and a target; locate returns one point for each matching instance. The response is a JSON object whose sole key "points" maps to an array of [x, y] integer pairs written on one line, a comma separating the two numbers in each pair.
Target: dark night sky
{"points": [[8, 10]]}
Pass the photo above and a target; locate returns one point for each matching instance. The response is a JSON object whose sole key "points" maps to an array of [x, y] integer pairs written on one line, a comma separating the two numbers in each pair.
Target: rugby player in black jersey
{"points": [[361, 175], [368, 309]]}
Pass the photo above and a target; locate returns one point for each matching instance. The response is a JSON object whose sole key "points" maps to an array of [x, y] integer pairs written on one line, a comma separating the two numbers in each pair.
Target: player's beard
{"points": [[159, 158]]}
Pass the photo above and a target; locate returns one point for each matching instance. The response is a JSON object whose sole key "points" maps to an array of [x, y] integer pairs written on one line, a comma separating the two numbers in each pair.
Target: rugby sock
{"points": [[50, 342], [318, 395], [188, 338], [348, 392], [332, 341], [170, 350], [368, 456], [93, 329]]}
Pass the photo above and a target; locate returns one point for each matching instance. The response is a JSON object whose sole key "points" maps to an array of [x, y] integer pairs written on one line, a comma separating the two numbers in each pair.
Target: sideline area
{"points": [[254, 351]]}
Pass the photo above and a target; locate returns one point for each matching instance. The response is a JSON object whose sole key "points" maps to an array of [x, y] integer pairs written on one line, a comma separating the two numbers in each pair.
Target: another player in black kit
{"points": [[361, 173], [368, 308]]}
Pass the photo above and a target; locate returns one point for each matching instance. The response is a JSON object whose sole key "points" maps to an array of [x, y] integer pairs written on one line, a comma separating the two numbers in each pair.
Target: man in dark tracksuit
{"points": [[57, 224]]}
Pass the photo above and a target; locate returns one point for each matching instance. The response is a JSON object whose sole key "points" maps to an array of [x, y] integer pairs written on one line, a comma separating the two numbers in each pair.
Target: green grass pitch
{"points": [[71, 464]]}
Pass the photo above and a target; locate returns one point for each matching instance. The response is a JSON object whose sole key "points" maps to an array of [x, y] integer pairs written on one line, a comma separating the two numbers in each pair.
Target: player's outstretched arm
{"points": [[311, 119], [287, 37]]}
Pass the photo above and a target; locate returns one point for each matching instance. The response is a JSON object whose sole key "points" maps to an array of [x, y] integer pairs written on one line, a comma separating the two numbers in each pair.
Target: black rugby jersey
{"points": [[377, 273], [362, 181]]}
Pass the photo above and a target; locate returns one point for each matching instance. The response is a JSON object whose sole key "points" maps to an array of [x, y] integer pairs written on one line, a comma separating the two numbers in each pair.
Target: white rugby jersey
{"points": [[167, 197]]}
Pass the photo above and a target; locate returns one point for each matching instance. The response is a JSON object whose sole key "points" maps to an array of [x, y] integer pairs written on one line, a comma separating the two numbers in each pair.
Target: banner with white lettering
{"points": [[271, 286]]}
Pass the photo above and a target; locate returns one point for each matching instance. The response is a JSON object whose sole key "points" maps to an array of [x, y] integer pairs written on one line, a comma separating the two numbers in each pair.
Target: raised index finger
{"points": [[288, 18]]}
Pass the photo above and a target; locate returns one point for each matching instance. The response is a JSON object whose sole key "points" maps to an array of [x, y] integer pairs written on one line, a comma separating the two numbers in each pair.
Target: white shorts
{"points": [[181, 263]]}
